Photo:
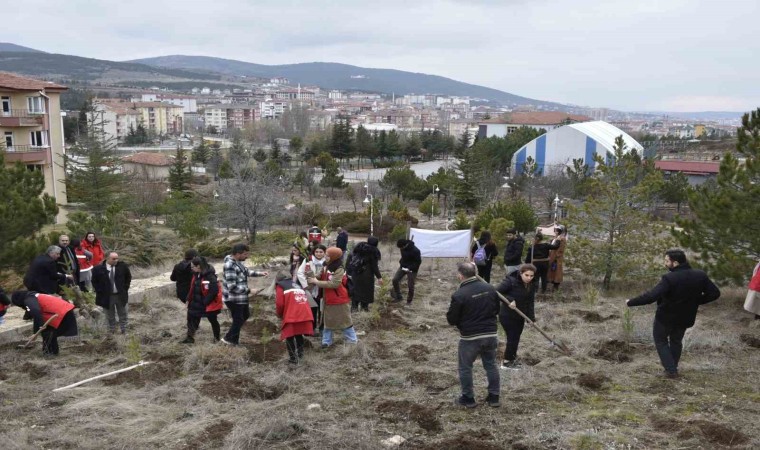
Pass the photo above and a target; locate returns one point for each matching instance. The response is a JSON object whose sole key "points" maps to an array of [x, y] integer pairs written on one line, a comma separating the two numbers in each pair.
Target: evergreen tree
{"points": [[215, 161], [24, 210], [93, 168], [180, 175], [341, 142], [616, 235], [463, 143], [364, 145], [412, 147], [725, 229], [675, 189], [276, 153], [260, 155], [201, 153]]}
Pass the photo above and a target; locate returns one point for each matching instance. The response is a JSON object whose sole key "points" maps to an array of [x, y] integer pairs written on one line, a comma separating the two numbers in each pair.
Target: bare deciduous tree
{"points": [[252, 197]]}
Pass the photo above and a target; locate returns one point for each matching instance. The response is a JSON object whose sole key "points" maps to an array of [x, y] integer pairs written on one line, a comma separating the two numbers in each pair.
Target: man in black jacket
{"points": [[513, 252], [111, 281], [409, 264], [678, 295], [43, 275], [182, 274], [68, 262], [474, 309]]}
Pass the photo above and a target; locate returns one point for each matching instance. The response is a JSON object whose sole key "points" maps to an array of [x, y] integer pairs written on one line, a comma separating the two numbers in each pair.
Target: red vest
{"points": [[96, 249], [2, 309], [315, 234], [337, 296], [84, 264], [216, 303], [292, 305], [50, 304]]}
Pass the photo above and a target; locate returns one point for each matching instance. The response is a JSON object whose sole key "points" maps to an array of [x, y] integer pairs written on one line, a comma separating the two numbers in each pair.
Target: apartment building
{"points": [[189, 104], [32, 129], [117, 118], [161, 118]]}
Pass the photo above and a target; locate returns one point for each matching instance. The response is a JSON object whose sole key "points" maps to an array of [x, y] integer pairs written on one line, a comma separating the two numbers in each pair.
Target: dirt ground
{"points": [[401, 379]]}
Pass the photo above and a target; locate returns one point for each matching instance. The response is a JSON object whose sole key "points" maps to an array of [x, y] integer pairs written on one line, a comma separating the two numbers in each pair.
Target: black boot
{"points": [[188, 340]]}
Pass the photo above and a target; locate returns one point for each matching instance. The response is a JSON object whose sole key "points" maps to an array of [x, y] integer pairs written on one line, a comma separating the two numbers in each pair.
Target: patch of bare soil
{"points": [[213, 435], [528, 360], [256, 327], [613, 350], [164, 368], [591, 316], [388, 322], [425, 417], [752, 341], [417, 352], [35, 372], [593, 381], [715, 433], [380, 350], [271, 351], [282, 432], [3, 376], [468, 440], [239, 388], [434, 382]]}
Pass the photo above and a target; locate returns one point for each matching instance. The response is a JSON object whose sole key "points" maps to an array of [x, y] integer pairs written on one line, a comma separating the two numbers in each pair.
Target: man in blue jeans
{"points": [[235, 290], [474, 310], [678, 295]]}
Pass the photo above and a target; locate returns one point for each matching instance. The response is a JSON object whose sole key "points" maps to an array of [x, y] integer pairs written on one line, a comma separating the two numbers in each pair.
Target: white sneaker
{"points": [[226, 342]]}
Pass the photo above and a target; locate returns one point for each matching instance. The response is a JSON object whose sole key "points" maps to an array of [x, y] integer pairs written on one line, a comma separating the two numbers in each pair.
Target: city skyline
{"points": [[681, 55]]}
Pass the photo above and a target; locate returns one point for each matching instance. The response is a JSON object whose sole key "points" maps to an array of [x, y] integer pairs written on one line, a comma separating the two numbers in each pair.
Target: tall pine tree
{"points": [[725, 229]]}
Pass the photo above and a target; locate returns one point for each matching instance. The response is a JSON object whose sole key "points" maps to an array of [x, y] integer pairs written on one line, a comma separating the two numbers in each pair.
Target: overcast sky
{"points": [[675, 55]]}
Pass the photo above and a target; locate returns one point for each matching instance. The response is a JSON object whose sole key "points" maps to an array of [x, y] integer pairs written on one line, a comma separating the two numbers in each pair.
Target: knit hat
{"points": [[334, 253]]}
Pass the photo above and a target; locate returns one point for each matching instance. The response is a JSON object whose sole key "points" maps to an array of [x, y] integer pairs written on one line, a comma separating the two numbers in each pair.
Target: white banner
{"points": [[442, 244]]}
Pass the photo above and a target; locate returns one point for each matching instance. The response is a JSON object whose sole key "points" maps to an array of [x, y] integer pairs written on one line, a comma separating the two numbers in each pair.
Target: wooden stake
{"points": [[141, 363]]}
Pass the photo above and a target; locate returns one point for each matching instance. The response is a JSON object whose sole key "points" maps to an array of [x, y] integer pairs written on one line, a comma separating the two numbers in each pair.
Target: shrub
{"points": [[428, 205], [498, 228], [461, 222]]}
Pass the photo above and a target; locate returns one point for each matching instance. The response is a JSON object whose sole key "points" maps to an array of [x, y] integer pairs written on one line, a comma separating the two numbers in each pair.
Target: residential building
{"points": [[117, 119], [547, 120], [239, 115], [272, 109], [32, 129], [215, 116], [189, 104], [697, 172]]}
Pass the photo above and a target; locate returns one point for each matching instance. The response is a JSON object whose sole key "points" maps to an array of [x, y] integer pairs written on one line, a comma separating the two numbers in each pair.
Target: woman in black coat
{"points": [[203, 300], [520, 289], [363, 292], [484, 270]]}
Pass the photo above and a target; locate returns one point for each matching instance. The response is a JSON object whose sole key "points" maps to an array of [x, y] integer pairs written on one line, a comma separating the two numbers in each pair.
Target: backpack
{"points": [[480, 255], [355, 265]]}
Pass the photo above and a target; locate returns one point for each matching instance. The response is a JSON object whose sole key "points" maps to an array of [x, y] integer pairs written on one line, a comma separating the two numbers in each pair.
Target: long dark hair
{"points": [[485, 238]]}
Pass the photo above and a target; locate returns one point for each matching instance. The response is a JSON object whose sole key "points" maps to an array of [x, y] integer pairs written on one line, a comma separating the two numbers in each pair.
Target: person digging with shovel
{"points": [[520, 288], [42, 307]]}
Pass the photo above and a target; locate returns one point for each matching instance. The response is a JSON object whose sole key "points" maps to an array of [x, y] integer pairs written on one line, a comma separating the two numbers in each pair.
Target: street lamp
{"points": [[432, 201], [368, 199], [556, 207]]}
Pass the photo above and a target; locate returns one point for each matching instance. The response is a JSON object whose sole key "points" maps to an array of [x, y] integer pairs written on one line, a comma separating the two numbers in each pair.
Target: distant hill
{"points": [[8, 47], [344, 77], [67, 67]]}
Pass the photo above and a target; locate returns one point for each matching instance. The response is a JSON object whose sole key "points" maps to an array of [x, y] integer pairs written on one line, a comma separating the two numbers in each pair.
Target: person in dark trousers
{"points": [[363, 275], [473, 310], [235, 290], [514, 250], [42, 307], [182, 274], [557, 257], [409, 264], [204, 299], [111, 281], [678, 295], [292, 307], [490, 253], [518, 287], [68, 263], [538, 255], [43, 275]]}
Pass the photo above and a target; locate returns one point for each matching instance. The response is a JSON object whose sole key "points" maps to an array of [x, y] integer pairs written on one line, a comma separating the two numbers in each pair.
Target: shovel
{"points": [[34, 336], [555, 342]]}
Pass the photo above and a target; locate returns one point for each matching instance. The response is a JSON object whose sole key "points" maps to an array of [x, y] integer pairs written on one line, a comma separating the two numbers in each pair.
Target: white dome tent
{"points": [[558, 148]]}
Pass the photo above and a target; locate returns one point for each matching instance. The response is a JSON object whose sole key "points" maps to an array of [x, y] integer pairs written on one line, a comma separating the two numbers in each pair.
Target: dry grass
{"points": [[400, 379]]}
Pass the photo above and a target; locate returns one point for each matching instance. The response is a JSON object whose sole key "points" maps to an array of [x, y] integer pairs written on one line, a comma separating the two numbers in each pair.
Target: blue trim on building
{"points": [[520, 160], [590, 151], [540, 154]]}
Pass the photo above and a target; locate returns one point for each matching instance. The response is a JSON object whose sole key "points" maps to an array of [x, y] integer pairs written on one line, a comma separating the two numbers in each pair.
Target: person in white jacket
{"points": [[312, 268]]}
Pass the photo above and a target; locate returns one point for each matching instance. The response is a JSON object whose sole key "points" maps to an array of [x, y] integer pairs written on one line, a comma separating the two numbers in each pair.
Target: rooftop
{"points": [[149, 159], [17, 82], [537, 118], [689, 167]]}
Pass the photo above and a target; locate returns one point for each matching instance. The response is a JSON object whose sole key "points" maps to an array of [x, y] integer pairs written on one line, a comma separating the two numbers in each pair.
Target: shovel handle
{"points": [[42, 328]]}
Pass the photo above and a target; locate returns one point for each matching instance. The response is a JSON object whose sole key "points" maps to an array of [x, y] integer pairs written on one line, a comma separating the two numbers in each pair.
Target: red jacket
{"points": [[2, 309], [339, 295], [215, 304], [291, 303], [754, 283], [50, 304], [84, 263], [315, 234], [95, 248]]}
